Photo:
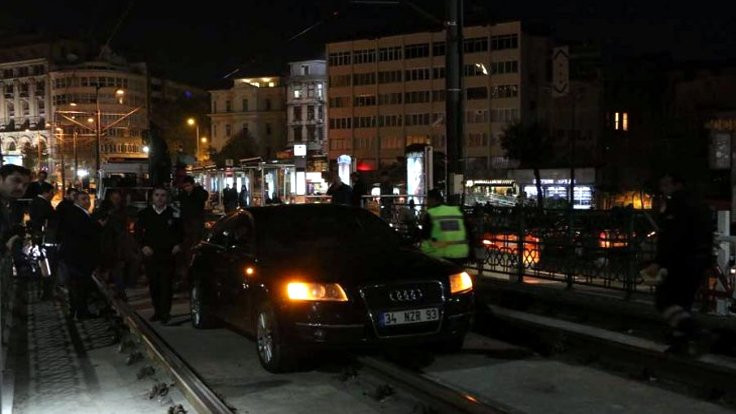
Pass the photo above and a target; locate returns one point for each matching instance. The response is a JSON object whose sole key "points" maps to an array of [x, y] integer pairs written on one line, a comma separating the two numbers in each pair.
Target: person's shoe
{"points": [[154, 318], [165, 319]]}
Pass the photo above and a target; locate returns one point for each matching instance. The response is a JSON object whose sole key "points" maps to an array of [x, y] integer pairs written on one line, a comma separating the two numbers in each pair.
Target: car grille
{"points": [[403, 296]]}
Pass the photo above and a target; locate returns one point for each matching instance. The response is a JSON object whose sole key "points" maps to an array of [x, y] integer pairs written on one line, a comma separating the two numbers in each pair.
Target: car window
{"points": [[236, 230]]}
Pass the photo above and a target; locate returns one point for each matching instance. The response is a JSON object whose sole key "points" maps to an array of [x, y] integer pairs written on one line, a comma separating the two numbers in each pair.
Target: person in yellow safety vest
{"points": [[443, 230]]}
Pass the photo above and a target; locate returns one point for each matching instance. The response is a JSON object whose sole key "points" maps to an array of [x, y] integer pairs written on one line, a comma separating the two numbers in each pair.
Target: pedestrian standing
{"points": [[359, 189], [243, 196], [339, 191], [684, 252], [444, 233], [159, 233], [192, 200], [80, 253], [387, 200], [34, 188]]}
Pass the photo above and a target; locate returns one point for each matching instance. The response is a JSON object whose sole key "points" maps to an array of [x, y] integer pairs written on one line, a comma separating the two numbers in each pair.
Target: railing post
{"points": [[631, 250], [520, 245], [571, 247]]}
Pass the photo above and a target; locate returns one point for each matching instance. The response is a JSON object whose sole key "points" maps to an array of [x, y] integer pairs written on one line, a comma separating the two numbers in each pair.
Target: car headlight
{"points": [[460, 283], [329, 292]]}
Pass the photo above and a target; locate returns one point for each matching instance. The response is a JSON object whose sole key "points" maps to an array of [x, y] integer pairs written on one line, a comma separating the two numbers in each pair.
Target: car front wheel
{"points": [[274, 355]]}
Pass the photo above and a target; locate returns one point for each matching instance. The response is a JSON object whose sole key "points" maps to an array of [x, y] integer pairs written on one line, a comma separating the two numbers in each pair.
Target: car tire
{"points": [[274, 355], [199, 309]]}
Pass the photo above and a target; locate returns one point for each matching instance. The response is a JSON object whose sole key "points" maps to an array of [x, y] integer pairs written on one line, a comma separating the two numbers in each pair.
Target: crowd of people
{"points": [[113, 240], [120, 244]]}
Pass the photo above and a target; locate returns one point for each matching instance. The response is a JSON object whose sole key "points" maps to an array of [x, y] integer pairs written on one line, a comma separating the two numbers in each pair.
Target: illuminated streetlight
{"points": [[193, 122], [203, 140], [73, 104], [146, 149], [90, 120]]}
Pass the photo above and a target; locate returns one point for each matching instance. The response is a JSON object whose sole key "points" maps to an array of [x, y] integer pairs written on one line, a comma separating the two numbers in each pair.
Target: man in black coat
{"points": [[34, 188], [80, 253], [13, 185], [685, 250], [360, 189], [159, 233], [41, 211], [192, 200]]}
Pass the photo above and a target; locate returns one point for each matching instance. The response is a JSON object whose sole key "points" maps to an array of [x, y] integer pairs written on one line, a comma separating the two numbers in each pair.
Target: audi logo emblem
{"points": [[405, 295]]}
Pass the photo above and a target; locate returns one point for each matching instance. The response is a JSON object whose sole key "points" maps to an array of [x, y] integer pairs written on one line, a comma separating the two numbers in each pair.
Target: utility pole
{"points": [[98, 124], [76, 160], [454, 94]]}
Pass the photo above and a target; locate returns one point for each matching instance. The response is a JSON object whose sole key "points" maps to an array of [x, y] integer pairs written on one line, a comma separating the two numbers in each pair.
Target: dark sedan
{"points": [[303, 276]]}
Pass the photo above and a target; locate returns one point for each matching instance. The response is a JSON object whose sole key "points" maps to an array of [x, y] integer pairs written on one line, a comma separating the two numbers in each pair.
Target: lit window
{"points": [[297, 93], [625, 121], [616, 121]]}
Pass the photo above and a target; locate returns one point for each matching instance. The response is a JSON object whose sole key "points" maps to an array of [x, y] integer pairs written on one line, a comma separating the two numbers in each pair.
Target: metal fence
{"points": [[605, 248]]}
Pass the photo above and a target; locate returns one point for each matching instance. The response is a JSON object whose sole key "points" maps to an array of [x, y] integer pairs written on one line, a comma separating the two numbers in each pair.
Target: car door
{"points": [[216, 272], [241, 264]]}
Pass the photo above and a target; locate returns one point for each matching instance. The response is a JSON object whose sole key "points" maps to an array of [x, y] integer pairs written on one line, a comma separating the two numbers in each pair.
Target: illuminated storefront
{"points": [[555, 184]]}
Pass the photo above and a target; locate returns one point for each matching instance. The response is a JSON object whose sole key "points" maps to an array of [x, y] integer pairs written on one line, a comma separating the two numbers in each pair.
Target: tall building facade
{"points": [[253, 108], [388, 93], [120, 90], [306, 102], [26, 111]]}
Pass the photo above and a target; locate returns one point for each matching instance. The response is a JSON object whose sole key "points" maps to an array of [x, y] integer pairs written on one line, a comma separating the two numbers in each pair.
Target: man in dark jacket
{"points": [[13, 185], [359, 189], [80, 253], [62, 209], [41, 211], [339, 191], [684, 250], [159, 233], [192, 200], [34, 188]]}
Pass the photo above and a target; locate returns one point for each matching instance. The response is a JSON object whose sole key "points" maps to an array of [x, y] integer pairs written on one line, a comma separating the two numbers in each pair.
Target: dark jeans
{"points": [[160, 273], [679, 287], [80, 285]]}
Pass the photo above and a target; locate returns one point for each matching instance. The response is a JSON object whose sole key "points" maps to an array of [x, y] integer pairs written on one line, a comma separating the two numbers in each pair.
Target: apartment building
{"points": [[252, 108], [388, 93]]}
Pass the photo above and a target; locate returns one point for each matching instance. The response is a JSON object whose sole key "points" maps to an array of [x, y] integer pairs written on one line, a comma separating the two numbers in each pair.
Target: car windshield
{"points": [[308, 229]]}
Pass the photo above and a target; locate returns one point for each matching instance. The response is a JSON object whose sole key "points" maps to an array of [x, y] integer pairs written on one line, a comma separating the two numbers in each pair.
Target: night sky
{"points": [[202, 43]]}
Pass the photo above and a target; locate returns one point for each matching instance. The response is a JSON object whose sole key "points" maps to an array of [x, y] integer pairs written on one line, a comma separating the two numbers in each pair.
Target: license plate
{"points": [[410, 316]]}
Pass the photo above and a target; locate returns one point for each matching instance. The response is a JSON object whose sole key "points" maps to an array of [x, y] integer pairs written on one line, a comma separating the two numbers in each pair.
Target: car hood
{"points": [[361, 266]]}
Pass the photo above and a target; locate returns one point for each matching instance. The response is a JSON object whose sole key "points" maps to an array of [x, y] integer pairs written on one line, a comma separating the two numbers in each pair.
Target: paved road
{"points": [[487, 369]]}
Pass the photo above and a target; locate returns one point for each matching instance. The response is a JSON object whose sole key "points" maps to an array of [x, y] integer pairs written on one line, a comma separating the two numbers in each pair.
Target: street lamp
{"points": [[193, 122]]}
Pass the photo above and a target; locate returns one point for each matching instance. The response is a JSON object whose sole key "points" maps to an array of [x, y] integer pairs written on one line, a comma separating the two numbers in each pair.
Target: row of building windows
{"points": [[396, 98], [121, 148], [89, 98], [505, 115], [25, 107], [244, 105], [244, 130], [472, 140], [510, 66], [313, 133], [23, 71], [419, 74], [312, 112], [102, 81], [313, 90], [23, 89], [422, 50]]}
